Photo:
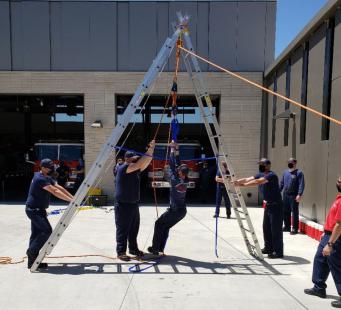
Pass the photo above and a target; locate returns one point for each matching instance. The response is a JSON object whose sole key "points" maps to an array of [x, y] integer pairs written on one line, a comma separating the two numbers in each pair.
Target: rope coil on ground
{"points": [[6, 260]]}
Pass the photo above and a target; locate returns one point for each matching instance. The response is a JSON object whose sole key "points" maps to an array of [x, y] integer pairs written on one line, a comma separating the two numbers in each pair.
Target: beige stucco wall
{"points": [[319, 160], [240, 112]]}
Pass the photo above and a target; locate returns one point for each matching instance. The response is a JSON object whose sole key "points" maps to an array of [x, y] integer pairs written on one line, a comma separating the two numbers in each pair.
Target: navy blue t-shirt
{"points": [[270, 190], [127, 185], [218, 174], [292, 182], [38, 197], [178, 185]]}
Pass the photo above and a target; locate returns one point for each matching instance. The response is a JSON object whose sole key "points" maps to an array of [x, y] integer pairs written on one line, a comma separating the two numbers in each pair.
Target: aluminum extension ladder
{"points": [[144, 88], [213, 130], [106, 151]]}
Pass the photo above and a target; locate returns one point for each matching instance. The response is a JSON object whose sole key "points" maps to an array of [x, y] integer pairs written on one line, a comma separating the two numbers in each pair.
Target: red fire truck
{"points": [[68, 152], [159, 171]]}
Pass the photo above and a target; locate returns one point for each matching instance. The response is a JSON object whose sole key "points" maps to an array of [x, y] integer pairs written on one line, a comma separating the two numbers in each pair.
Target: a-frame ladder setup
{"points": [[212, 127]]}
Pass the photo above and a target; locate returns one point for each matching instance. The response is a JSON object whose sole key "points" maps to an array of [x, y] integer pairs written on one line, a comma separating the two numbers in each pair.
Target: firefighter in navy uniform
{"points": [[328, 255], [221, 192], [127, 197], [38, 200], [267, 180], [177, 209], [292, 185]]}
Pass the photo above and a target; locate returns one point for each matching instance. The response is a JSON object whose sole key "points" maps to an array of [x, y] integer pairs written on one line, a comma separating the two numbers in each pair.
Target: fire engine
{"points": [[159, 170], [69, 153]]}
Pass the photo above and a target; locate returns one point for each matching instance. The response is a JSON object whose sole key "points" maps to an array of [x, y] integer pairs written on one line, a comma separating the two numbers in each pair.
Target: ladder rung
{"points": [[203, 95], [248, 230], [196, 75], [215, 136]]}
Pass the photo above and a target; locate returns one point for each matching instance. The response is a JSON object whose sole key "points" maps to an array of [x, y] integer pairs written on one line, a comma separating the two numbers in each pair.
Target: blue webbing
{"points": [[136, 268], [216, 237], [159, 158]]}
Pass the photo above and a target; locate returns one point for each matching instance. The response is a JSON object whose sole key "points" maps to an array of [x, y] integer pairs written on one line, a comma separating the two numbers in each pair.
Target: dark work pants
{"points": [[272, 227], [325, 264], [40, 229], [222, 193], [163, 225], [127, 219], [290, 206]]}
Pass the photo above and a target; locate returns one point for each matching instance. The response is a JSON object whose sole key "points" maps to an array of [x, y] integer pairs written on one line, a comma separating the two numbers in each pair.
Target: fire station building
{"points": [[69, 68]]}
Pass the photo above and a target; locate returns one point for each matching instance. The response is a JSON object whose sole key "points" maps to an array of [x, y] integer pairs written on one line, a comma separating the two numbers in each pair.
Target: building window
{"points": [[274, 112], [328, 68], [287, 104], [304, 89]]}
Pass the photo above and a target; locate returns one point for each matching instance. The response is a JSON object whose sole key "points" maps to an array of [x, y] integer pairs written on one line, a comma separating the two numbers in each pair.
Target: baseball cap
{"points": [[264, 161], [129, 154], [292, 160], [47, 163]]}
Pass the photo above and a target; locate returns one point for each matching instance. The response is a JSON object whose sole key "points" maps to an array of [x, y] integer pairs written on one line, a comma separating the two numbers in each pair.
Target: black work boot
{"points": [[336, 303], [31, 257], [275, 255], [136, 253], [314, 292], [124, 257], [151, 250], [266, 251]]}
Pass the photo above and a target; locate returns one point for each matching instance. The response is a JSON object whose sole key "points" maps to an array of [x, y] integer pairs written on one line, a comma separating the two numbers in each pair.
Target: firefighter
{"points": [[119, 162], [292, 185], [63, 173], [80, 172], [127, 196], [328, 255], [221, 192], [204, 179], [267, 180], [38, 200], [177, 209]]}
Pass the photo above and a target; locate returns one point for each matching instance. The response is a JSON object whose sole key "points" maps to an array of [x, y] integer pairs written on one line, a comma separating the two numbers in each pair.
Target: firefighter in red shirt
{"points": [[328, 255]]}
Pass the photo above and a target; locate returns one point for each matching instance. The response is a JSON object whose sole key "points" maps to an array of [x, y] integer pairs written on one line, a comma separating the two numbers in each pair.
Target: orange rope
{"points": [[173, 95], [6, 260], [154, 191], [263, 88]]}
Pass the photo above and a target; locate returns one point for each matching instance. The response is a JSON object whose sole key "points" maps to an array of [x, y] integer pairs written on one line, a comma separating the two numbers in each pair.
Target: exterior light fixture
{"points": [[97, 124]]}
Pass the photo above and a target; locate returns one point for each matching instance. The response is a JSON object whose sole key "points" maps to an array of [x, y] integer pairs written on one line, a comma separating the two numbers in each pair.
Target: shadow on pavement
{"points": [[293, 260], [166, 265]]}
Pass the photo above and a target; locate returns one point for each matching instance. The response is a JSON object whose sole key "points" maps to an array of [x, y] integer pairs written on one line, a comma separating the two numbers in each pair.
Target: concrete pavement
{"points": [[190, 277]]}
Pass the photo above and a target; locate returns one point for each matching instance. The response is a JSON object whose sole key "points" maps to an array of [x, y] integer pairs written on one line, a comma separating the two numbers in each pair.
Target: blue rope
{"points": [[216, 237], [159, 158], [216, 222]]}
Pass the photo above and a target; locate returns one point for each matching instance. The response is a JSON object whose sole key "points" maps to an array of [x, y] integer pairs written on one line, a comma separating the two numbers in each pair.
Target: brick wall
{"points": [[240, 112]]}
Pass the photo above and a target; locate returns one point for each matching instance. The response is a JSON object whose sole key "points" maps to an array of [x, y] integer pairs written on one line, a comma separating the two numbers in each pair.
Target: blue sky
{"points": [[292, 16]]}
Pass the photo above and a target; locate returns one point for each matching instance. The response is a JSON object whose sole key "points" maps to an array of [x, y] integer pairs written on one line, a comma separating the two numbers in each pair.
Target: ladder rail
{"points": [[106, 150], [200, 93], [216, 151]]}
